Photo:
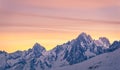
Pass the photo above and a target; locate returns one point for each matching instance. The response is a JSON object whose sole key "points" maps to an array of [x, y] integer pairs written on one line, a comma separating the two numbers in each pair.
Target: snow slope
{"points": [[106, 61]]}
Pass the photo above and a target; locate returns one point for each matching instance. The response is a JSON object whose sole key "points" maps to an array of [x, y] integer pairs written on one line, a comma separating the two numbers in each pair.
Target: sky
{"points": [[54, 22]]}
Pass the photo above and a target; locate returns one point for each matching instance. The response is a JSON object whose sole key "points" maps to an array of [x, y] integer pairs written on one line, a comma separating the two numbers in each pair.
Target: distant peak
{"points": [[83, 34], [104, 39], [84, 37], [37, 46]]}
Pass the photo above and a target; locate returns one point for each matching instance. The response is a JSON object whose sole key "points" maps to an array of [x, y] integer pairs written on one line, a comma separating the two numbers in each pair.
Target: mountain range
{"points": [[82, 53]]}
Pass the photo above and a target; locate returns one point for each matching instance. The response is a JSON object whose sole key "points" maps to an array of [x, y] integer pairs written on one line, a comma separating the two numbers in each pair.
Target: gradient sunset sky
{"points": [[54, 22]]}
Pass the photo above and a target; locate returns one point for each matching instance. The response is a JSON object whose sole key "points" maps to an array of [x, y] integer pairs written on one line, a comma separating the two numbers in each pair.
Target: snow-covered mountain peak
{"points": [[37, 50], [103, 41], [38, 47], [114, 46], [83, 37]]}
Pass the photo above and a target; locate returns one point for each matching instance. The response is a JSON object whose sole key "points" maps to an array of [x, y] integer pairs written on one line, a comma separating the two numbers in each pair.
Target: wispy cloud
{"points": [[27, 21], [56, 17]]}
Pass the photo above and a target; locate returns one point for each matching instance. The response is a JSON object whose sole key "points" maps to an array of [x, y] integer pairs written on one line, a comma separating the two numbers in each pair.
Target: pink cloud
{"points": [[63, 3]]}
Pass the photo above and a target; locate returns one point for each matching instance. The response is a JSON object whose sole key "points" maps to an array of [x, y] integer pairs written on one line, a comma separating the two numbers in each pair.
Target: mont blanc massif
{"points": [[82, 53]]}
